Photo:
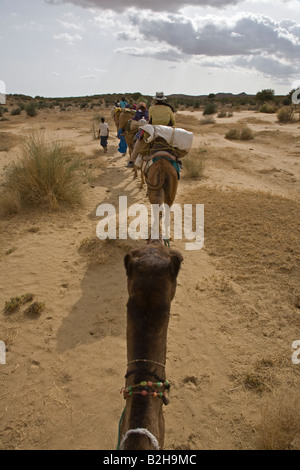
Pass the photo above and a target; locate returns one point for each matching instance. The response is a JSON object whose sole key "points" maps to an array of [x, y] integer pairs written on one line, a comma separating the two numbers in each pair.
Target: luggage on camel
{"points": [[176, 137], [176, 142]]}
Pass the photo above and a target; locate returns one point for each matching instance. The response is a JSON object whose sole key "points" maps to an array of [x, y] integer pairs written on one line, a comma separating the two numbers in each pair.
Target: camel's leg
{"points": [[142, 176], [171, 189]]}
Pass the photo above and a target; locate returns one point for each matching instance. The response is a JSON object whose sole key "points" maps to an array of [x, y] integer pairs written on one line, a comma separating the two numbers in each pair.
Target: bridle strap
{"points": [[147, 360]]}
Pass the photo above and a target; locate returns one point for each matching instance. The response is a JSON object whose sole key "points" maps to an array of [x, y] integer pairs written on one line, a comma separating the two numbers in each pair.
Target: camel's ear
{"points": [[128, 264], [176, 260]]}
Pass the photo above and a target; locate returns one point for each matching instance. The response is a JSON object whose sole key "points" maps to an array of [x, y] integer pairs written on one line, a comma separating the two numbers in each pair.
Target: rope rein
{"points": [[146, 360]]}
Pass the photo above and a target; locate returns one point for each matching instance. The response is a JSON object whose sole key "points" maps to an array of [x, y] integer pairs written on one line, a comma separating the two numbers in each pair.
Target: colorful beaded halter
{"points": [[148, 388]]}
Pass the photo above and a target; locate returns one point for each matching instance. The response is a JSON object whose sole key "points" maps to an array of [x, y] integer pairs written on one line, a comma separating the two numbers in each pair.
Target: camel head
{"points": [[152, 272]]}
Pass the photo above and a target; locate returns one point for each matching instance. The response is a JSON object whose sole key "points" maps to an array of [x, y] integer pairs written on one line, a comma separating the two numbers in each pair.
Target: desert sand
{"points": [[233, 320]]}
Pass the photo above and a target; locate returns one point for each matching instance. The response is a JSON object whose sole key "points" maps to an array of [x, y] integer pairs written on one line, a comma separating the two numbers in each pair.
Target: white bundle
{"points": [[175, 136]]}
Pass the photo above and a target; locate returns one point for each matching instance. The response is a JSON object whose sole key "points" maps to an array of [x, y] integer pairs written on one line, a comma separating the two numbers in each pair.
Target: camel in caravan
{"points": [[151, 280], [121, 116], [162, 171]]}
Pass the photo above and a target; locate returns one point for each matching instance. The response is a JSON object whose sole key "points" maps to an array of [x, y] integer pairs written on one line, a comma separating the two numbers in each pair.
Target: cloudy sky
{"points": [[58, 48]]}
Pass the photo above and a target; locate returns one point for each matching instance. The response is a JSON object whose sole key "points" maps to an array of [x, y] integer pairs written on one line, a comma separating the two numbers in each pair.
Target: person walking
{"points": [[103, 133]]}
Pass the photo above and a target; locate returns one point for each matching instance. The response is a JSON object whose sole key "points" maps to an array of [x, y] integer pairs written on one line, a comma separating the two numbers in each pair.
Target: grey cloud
{"points": [[295, 30], [248, 35], [156, 5], [247, 41], [267, 66], [160, 53]]}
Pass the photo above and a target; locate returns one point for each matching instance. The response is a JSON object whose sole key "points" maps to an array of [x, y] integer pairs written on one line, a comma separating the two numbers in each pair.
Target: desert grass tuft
{"points": [[285, 115], [193, 164], [268, 108], [14, 303], [35, 309], [279, 428], [246, 134], [207, 120], [46, 175], [239, 134], [94, 250], [232, 134]]}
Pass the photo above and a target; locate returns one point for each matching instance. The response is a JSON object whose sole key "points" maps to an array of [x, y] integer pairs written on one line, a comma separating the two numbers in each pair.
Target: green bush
{"points": [[15, 111], [210, 108], [265, 95], [31, 109]]}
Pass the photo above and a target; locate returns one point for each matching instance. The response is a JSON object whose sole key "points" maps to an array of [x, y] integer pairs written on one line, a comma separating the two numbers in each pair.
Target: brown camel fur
{"points": [[151, 280], [117, 117], [124, 117], [131, 129], [121, 117], [133, 147], [162, 182]]}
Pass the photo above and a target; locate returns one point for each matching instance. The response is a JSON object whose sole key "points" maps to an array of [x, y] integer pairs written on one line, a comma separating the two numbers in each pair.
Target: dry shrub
{"points": [[267, 108], [232, 134], [280, 423], [246, 134], [193, 164], [94, 250], [46, 175], [243, 134], [285, 115], [35, 309], [14, 303], [208, 120]]}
